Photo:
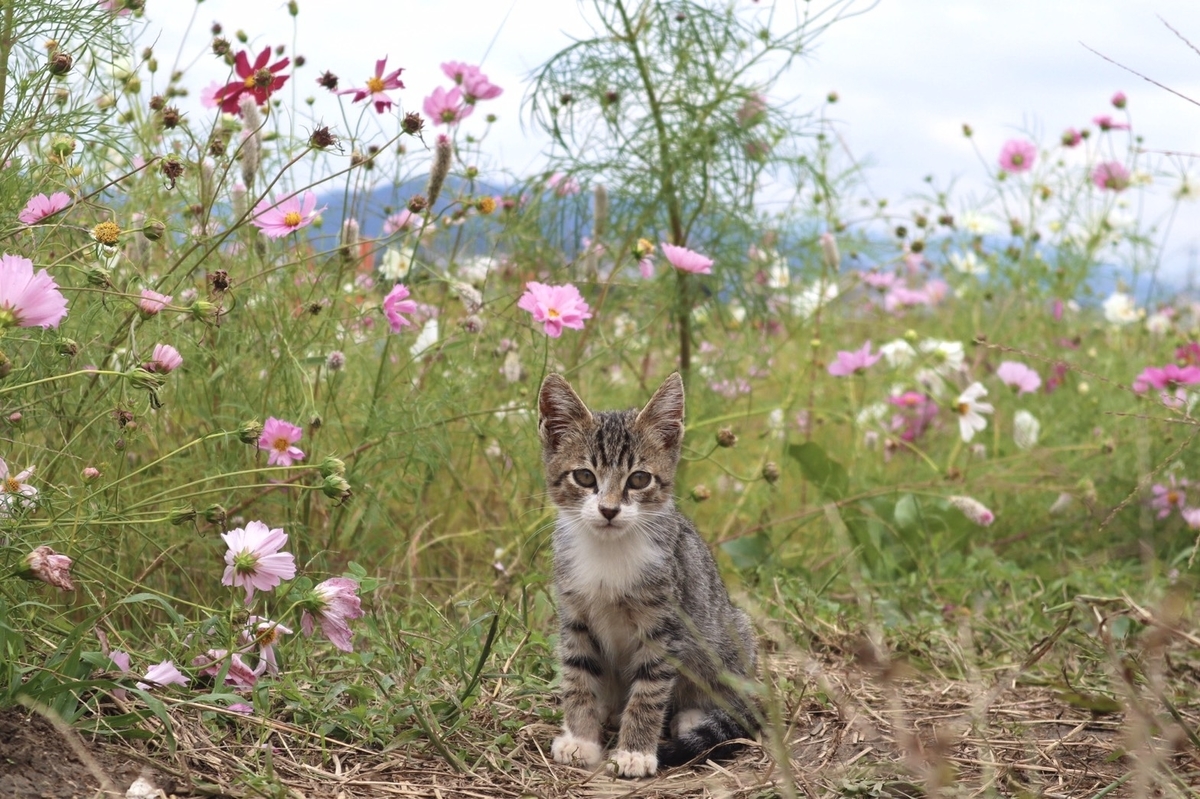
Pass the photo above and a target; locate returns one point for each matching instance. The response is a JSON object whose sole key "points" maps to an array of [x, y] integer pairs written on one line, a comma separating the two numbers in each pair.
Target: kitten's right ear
{"points": [[559, 410]]}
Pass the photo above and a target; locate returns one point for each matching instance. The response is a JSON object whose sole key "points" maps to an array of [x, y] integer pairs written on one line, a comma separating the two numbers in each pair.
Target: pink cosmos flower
{"points": [[646, 266], [1106, 122], [50, 567], [265, 633], [1017, 155], [164, 673], [730, 389], [881, 281], [399, 221], [1119, 100], [1019, 376], [447, 107], [209, 95], [152, 302], [856, 362], [563, 185], [396, 303], [335, 603], [1167, 377], [555, 307], [904, 297], [279, 438], [1071, 138], [15, 490], [164, 360], [257, 79], [1110, 175], [40, 206], [243, 708], [28, 299], [457, 71], [476, 86], [238, 675], [254, 560], [686, 260], [286, 216], [1188, 354], [1169, 497], [377, 84], [917, 412]]}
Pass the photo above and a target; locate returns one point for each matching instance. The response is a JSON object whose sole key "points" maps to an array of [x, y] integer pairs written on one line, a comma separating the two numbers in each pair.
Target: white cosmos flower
{"points": [[15, 491], [393, 266], [1120, 309], [426, 339], [946, 356], [967, 263], [898, 353], [811, 298], [970, 410], [976, 223], [1026, 429]]}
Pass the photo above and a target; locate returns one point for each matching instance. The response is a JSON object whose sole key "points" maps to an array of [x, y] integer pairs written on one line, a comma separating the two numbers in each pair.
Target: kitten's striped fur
{"points": [[647, 628]]}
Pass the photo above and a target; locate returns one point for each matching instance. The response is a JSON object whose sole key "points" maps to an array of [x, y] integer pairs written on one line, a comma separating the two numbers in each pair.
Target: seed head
{"points": [[172, 169], [412, 123], [60, 63], [171, 117], [485, 205], [417, 203], [218, 281], [220, 47], [328, 80], [158, 102], [322, 137]]}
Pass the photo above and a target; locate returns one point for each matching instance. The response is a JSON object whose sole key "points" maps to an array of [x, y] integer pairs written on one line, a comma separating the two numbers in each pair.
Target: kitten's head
{"points": [[610, 471]]}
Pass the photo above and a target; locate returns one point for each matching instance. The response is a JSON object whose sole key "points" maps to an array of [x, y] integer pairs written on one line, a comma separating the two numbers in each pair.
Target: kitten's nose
{"points": [[609, 513]]}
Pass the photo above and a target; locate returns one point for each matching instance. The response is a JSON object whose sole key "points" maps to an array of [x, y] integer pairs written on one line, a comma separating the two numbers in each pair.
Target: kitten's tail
{"points": [[714, 737]]}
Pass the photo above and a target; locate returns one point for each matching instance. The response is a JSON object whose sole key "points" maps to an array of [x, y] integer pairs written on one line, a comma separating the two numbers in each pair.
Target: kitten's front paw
{"points": [[569, 749], [635, 764]]}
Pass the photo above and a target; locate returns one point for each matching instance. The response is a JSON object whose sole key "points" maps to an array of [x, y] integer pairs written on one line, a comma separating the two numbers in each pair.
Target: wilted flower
{"points": [[50, 567], [377, 85], [164, 673], [28, 299], [555, 307], [238, 674], [253, 559], [856, 362], [152, 302], [1017, 155], [969, 410], [279, 439], [164, 360], [686, 260], [40, 206], [396, 303], [286, 216], [1026, 429], [335, 603], [1019, 376], [973, 509]]}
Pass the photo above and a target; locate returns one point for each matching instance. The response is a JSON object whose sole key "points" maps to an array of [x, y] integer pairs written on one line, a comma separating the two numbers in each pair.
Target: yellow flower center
{"points": [[1172, 497], [964, 408], [12, 485], [267, 636], [292, 219], [553, 313], [249, 82], [375, 84], [107, 233], [281, 444]]}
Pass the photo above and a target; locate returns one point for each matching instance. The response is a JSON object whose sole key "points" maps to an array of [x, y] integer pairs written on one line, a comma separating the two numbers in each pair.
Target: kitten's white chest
{"points": [[607, 568]]}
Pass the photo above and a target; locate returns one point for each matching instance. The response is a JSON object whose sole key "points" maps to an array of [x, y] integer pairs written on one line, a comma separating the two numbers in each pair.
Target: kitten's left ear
{"points": [[663, 415]]}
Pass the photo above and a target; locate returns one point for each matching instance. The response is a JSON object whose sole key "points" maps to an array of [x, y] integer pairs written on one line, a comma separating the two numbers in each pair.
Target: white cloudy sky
{"points": [[909, 72]]}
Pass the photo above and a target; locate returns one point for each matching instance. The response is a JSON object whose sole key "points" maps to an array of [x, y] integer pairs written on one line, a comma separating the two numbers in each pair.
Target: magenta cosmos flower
{"points": [[334, 603], [279, 438], [286, 216], [377, 85], [1106, 122], [257, 80], [686, 260], [50, 567], [1168, 377], [447, 107], [164, 673], [152, 302], [164, 360], [40, 206], [396, 303], [28, 299], [1111, 175], [555, 307], [1019, 376], [1017, 155], [856, 362], [254, 560]]}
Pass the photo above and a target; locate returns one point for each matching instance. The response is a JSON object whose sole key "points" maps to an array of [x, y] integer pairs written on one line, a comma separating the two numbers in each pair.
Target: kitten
{"points": [[647, 628]]}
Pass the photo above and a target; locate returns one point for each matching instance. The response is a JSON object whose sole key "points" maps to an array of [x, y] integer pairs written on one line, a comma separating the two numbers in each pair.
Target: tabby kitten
{"points": [[647, 626]]}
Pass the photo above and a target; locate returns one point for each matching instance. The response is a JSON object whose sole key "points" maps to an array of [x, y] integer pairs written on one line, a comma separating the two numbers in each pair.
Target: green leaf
{"points": [[748, 551], [907, 514], [825, 473], [156, 599]]}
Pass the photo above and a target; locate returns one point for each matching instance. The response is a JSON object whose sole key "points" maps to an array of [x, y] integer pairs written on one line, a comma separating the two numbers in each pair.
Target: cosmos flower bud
{"points": [[335, 486], [770, 472], [726, 437], [443, 153], [417, 203], [202, 310], [68, 347], [182, 515], [216, 514], [60, 64], [143, 379], [829, 250], [90, 474], [250, 432], [153, 230], [701, 493], [331, 465]]}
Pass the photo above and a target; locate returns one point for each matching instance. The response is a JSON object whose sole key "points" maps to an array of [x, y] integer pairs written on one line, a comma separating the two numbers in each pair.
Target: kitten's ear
{"points": [[663, 415], [559, 410]]}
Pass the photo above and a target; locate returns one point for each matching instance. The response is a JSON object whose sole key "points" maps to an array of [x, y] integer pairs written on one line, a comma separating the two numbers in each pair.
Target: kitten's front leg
{"points": [[652, 681], [582, 672]]}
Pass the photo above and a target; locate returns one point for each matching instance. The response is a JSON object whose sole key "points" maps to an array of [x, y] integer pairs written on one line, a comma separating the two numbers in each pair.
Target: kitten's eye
{"points": [[584, 478], [638, 480]]}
